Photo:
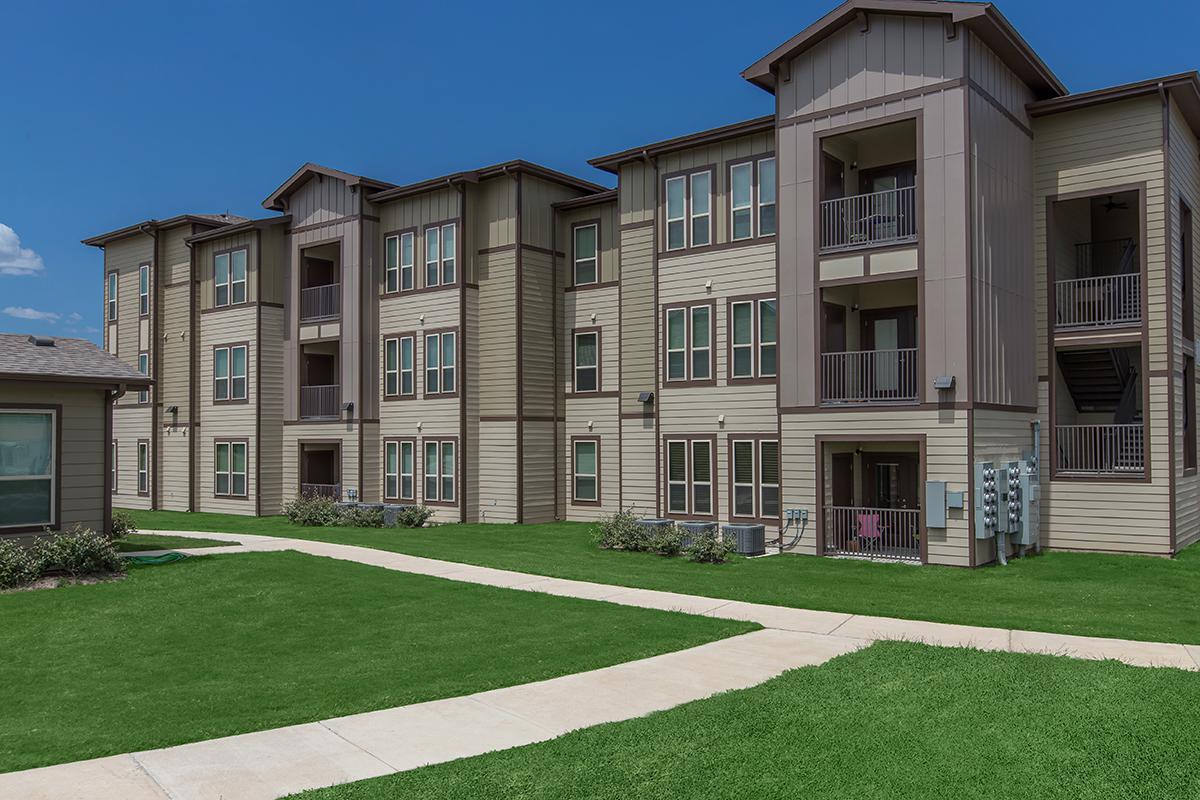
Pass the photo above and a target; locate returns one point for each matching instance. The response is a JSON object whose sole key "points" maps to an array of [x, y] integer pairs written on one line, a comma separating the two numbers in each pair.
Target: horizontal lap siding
{"points": [[638, 465], [1000, 437], [638, 441], [606, 214], [579, 307], [537, 333], [470, 444], [497, 471], [129, 425], [232, 421], [293, 435], [270, 446], [601, 412], [538, 471], [174, 476]]}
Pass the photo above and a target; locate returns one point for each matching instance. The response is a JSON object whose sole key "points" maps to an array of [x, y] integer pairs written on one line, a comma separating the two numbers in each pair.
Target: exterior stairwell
{"points": [[1102, 381]]}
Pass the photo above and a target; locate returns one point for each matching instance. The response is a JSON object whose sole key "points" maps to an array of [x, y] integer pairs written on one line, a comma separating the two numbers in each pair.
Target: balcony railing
{"points": [[866, 220], [1103, 301], [1101, 449], [320, 302], [891, 533], [869, 376], [333, 490], [320, 402]]}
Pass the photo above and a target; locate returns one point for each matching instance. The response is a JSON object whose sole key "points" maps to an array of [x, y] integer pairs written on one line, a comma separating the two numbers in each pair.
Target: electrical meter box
{"points": [[1008, 501]]}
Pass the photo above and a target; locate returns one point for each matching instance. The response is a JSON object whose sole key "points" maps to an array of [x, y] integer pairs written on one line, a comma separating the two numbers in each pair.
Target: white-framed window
{"points": [[432, 249], [700, 207], [28, 454], [229, 373], [689, 340], [449, 254], [769, 469], [767, 217], [391, 264], [440, 357], [741, 201], [144, 290], [398, 264], [230, 469], [755, 477], [439, 471], [585, 468], [690, 476], [112, 297], [676, 191], [143, 467], [753, 338], [229, 278], [743, 477], [398, 367], [441, 254], [398, 483], [587, 361], [144, 368], [586, 253], [768, 338]]}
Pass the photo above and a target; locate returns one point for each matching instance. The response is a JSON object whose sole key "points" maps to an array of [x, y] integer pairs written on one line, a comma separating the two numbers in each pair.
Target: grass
{"points": [[1130, 597], [894, 721], [154, 541], [217, 645]]}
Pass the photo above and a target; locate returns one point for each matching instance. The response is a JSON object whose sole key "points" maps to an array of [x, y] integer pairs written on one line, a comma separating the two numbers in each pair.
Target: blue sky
{"points": [[119, 112]]}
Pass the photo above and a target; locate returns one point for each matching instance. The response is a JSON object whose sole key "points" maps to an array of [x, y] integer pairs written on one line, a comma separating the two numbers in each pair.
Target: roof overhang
{"points": [[1183, 88], [150, 225], [981, 18], [587, 200], [277, 201], [477, 175], [248, 225], [100, 381], [611, 163]]}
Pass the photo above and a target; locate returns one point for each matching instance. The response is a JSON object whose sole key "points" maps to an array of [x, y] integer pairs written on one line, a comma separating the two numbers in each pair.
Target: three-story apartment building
{"points": [[930, 256]]}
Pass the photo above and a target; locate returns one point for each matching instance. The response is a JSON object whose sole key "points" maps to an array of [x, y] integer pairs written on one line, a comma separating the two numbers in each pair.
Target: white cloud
{"points": [[17, 260], [21, 312], [74, 316]]}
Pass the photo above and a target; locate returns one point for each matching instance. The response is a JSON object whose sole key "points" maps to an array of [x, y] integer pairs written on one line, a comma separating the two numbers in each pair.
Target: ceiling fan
{"points": [[1112, 204]]}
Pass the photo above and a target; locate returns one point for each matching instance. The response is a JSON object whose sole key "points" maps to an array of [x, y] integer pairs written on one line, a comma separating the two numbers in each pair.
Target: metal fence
{"points": [[869, 376], [318, 402], [1102, 301], [892, 533], [869, 219], [321, 302], [1101, 449]]}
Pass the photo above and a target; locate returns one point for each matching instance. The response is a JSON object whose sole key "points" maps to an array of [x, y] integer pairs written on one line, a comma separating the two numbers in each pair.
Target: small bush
{"points": [[79, 551], [121, 525], [620, 531], [708, 548], [413, 516], [312, 510], [359, 517], [18, 565], [667, 541]]}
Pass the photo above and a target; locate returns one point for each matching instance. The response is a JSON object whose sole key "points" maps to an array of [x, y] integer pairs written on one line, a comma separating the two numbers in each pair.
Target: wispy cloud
{"points": [[22, 312], [74, 316], [17, 260]]}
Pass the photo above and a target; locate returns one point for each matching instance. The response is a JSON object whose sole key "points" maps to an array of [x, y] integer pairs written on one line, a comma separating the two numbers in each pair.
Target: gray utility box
{"points": [[749, 540], [691, 530], [655, 524]]}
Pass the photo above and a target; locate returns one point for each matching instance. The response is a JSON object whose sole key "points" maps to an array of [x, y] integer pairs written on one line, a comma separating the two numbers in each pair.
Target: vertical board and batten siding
{"points": [[226, 421], [1184, 166], [1094, 149], [999, 437], [537, 216], [206, 266], [897, 54], [1001, 163], [273, 262], [269, 449], [606, 214], [492, 214], [636, 193]]}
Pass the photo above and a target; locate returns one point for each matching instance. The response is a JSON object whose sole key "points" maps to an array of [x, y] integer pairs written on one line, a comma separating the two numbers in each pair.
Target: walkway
{"points": [[270, 764]]}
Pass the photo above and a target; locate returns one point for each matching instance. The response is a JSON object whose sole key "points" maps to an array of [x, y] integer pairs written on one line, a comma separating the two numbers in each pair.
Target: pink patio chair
{"points": [[870, 531]]}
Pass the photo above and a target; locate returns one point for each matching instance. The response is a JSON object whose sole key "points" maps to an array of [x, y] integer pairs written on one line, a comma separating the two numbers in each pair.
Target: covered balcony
{"points": [[320, 392], [869, 350], [320, 283], [320, 470], [871, 507], [868, 186], [1095, 261], [1098, 423]]}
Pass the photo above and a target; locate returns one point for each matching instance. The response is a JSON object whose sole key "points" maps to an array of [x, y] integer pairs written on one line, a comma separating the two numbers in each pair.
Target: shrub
{"points": [[312, 510], [359, 517], [708, 548], [413, 516], [667, 541], [121, 525], [18, 565], [620, 531], [79, 551]]}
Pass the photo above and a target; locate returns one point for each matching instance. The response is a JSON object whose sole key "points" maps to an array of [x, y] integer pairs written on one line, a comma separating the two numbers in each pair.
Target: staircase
{"points": [[1100, 380]]}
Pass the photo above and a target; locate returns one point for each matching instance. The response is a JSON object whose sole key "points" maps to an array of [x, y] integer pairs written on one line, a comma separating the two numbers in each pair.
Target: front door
{"points": [[890, 480]]}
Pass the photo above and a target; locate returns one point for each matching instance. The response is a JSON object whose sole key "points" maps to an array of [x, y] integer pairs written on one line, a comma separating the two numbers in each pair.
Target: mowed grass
{"points": [[217, 645], [148, 541], [893, 722], [1130, 597]]}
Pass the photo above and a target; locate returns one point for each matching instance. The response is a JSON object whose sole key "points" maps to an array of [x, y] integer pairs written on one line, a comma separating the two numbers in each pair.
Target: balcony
{"points": [[333, 490], [1098, 425], [1095, 263], [1101, 450], [320, 303], [320, 402], [870, 376], [871, 499], [886, 533], [869, 220], [1106, 301]]}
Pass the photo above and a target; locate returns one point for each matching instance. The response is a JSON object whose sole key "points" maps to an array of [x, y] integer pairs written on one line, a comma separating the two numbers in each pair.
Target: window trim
{"points": [[687, 307], [756, 204], [144, 297], [231, 443], [140, 444], [688, 175], [229, 398], [731, 166], [441, 441], [575, 501], [441, 333], [690, 439], [399, 235], [143, 394], [56, 415], [399, 338], [399, 442], [575, 334], [231, 282], [440, 227], [112, 289], [575, 228], [756, 376], [757, 439]]}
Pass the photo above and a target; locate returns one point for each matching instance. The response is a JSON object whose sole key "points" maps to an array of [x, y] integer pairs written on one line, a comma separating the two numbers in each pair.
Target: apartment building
{"points": [[930, 257]]}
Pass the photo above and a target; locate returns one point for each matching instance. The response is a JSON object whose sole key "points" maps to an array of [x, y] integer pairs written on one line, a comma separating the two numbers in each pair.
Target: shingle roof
{"points": [[69, 360], [101, 239]]}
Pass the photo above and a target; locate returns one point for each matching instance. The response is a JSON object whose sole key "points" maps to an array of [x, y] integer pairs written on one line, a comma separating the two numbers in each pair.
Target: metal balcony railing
{"points": [[320, 402], [333, 490], [892, 533], [320, 302], [1101, 449], [1104, 301], [869, 376], [866, 220]]}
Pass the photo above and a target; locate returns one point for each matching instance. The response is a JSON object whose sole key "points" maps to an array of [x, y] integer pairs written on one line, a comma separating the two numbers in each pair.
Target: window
{"points": [[144, 368], [407, 274], [767, 219], [585, 467], [676, 213], [769, 469], [441, 255], [229, 278], [587, 361], [586, 238], [112, 466], [689, 343], [230, 469], [1189, 413], [398, 470], [741, 202], [689, 210], [440, 355], [753, 338], [28, 446], [112, 297], [143, 467], [144, 290], [398, 262], [432, 248], [398, 366], [701, 208], [690, 477], [229, 373], [754, 466], [449, 254], [439, 472]]}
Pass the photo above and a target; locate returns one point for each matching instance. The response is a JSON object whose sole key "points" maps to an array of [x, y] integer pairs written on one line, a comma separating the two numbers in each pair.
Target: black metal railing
{"points": [[869, 376], [320, 302], [865, 220], [320, 402], [891, 533]]}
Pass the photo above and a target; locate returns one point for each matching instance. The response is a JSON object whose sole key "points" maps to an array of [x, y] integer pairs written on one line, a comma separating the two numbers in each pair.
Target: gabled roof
{"points": [[277, 198], [982, 18], [1183, 88], [476, 175], [63, 360], [146, 226], [615, 160], [247, 225]]}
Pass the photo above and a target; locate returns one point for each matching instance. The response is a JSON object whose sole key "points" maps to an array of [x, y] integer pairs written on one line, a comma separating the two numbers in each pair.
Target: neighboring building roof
{"points": [[756, 125], [45, 358], [1183, 88], [596, 199], [276, 201], [982, 18], [248, 225], [495, 170], [211, 220]]}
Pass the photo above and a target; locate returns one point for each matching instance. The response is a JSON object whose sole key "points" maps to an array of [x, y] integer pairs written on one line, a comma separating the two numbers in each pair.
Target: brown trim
{"points": [[1168, 227], [231, 441], [398, 441], [659, 366], [633, 226], [1187, 84], [996, 104], [230, 401], [757, 439], [258, 337], [1075, 340], [338, 445], [514, 167], [660, 209], [585, 201], [343, 220], [687, 307], [711, 438], [57, 524], [586, 395], [637, 415], [438, 332], [718, 247], [149, 368], [150, 304], [498, 418], [233, 229], [589, 286], [882, 100], [755, 340], [111, 469], [193, 369], [611, 162], [400, 395], [102, 239], [360, 309], [887, 408], [399, 233], [440, 440], [226, 306], [586, 223], [576, 332], [420, 246], [756, 235], [571, 472], [138, 467], [117, 381]]}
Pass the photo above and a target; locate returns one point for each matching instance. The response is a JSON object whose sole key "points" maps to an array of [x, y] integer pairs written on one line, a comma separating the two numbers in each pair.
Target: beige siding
{"points": [[130, 423], [636, 193], [637, 317], [537, 333], [205, 265], [344, 432], [536, 214], [496, 379], [638, 465], [229, 421], [173, 472], [601, 413], [470, 442], [497, 495], [538, 470], [999, 437], [605, 215], [579, 310], [131, 332], [270, 381]]}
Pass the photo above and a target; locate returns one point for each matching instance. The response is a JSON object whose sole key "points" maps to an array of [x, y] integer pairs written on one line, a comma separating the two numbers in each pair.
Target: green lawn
{"points": [[1132, 597], [218, 645], [891, 722], [153, 541]]}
